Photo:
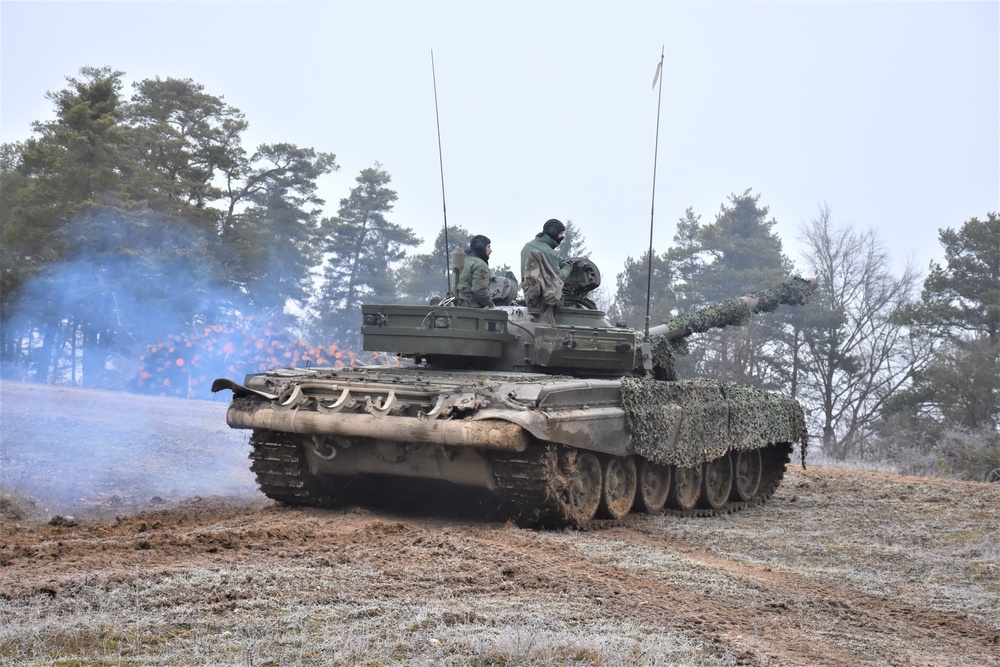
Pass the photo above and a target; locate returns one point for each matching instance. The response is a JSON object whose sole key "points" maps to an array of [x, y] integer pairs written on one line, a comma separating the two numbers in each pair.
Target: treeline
{"points": [[888, 367], [130, 223]]}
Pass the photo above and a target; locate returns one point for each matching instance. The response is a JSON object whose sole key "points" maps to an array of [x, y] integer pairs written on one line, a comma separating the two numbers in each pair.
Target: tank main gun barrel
{"points": [[737, 311]]}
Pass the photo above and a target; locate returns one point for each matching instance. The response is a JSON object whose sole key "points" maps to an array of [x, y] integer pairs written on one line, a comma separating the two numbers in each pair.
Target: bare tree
{"points": [[858, 351]]}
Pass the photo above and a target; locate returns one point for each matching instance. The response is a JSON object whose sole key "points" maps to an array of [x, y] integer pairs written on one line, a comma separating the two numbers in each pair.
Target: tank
{"points": [[561, 416]]}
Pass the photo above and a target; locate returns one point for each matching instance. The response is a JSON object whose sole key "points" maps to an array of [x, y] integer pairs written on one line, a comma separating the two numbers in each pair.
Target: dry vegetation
{"points": [[142, 542]]}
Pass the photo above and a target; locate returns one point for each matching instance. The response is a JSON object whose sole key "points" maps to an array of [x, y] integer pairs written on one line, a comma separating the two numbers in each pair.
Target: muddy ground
{"points": [[130, 533]]}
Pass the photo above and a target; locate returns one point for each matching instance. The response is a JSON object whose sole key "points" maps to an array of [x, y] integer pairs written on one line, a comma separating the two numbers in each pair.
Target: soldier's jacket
{"points": [[547, 247], [474, 283], [542, 286]]}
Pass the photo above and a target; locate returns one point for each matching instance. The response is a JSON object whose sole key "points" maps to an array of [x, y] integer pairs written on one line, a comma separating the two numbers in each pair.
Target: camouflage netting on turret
{"points": [[689, 422], [662, 351]]}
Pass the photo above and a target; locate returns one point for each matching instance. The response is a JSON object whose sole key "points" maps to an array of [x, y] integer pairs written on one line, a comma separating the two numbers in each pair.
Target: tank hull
{"points": [[552, 449]]}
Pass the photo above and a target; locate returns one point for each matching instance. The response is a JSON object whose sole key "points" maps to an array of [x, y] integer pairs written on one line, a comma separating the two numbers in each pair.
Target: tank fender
{"points": [[239, 390], [600, 429]]}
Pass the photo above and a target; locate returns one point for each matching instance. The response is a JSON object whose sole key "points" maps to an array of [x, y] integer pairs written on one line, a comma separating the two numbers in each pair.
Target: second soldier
{"points": [[474, 281]]}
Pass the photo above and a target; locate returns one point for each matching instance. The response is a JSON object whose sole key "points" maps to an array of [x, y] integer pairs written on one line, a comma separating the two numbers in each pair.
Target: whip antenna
{"points": [[652, 206], [444, 205], [647, 351]]}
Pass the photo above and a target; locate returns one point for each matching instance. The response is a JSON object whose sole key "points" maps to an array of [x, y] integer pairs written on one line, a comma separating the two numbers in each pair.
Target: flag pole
{"points": [[444, 205]]}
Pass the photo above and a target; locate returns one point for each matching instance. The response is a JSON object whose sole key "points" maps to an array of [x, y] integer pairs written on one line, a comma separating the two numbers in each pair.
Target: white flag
{"points": [[656, 77]]}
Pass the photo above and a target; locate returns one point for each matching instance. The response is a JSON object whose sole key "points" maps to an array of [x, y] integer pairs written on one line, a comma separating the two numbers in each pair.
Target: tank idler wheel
{"points": [[747, 469], [618, 490], [716, 483], [686, 488], [653, 486], [581, 494]]}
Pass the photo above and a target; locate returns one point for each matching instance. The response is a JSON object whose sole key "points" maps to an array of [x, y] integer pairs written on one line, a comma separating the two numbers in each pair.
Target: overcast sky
{"points": [[888, 112]]}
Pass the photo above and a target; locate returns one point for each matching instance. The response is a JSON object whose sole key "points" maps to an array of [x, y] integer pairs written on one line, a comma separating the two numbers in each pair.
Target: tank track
{"points": [[773, 461], [279, 464], [532, 485], [525, 484], [528, 484]]}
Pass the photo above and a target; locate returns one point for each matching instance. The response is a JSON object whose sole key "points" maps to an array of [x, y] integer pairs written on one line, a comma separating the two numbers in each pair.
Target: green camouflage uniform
{"points": [[474, 283], [547, 247]]}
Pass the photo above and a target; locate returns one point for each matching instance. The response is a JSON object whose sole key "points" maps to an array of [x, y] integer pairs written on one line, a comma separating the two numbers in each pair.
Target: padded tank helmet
{"points": [[479, 243], [553, 228]]}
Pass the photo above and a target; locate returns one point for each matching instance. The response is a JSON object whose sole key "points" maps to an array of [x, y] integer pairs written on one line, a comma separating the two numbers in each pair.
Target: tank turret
{"points": [[578, 340], [554, 413]]}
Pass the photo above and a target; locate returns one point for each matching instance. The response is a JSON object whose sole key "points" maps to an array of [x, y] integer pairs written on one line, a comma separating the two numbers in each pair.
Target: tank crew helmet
{"points": [[477, 247], [553, 229]]}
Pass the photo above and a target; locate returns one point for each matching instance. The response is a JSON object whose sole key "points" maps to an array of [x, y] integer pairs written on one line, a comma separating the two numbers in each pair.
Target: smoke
{"points": [[77, 451], [134, 298], [141, 304], [127, 282], [138, 306]]}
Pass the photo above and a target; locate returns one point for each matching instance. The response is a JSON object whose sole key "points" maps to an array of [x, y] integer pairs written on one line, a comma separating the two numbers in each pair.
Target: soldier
{"points": [[474, 281], [546, 242], [542, 272]]}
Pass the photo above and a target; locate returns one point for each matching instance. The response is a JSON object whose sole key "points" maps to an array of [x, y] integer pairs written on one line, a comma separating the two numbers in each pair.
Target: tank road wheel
{"points": [[652, 487], [580, 494], [716, 483], [548, 485], [686, 488], [618, 489], [746, 475]]}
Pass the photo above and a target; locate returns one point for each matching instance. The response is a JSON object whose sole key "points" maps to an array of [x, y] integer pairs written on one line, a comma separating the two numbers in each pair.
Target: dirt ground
{"points": [[130, 533]]}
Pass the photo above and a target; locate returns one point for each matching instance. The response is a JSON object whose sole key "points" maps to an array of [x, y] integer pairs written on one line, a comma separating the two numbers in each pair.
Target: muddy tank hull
{"points": [[553, 450]]}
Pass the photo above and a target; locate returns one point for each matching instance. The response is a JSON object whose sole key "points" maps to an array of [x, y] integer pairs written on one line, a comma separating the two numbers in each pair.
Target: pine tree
{"points": [[574, 244], [737, 253], [364, 249]]}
